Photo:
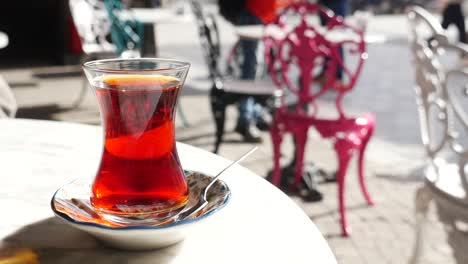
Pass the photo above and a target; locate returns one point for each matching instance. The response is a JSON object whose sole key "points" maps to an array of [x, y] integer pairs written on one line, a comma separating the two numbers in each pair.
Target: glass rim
{"points": [[94, 65]]}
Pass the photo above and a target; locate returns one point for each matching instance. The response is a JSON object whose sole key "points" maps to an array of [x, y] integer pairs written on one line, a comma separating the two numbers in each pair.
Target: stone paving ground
{"points": [[381, 234]]}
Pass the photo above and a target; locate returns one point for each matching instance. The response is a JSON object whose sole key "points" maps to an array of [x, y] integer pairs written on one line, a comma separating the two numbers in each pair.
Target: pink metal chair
{"points": [[307, 49]]}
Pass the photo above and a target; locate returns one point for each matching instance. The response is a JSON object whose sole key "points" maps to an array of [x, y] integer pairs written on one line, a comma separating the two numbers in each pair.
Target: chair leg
{"points": [[81, 96], [182, 116], [422, 201], [276, 139], [84, 86], [300, 140], [361, 169], [218, 108], [344, 155], [220, 116]]}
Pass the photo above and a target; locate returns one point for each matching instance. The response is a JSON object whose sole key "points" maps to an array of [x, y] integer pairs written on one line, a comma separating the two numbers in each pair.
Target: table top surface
{"points": [[260, 224]]}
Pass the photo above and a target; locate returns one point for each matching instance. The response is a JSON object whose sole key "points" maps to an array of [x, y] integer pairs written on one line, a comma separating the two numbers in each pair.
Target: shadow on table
{"points": [[48, 112], [56, 242], [41, 111]]}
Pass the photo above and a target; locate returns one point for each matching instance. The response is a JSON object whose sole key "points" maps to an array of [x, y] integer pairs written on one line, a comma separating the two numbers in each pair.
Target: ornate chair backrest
{"points": [[457, 136], [309, 48], [439, 91], [425, 33], [91, 22], [209, 38]]}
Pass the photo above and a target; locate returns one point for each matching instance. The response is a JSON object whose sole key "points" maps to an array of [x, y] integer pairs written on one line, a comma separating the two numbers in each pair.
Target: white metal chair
{"points": [[93, 27], [92, 22], [8, 104], [444, 130]]}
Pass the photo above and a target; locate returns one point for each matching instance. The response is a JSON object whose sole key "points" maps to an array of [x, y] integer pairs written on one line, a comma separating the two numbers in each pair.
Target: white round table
{"points": [[259, 225]]}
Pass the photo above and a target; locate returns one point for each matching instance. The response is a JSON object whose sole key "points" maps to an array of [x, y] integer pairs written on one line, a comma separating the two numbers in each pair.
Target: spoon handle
{"points": [[241, 158], [202, 202]]}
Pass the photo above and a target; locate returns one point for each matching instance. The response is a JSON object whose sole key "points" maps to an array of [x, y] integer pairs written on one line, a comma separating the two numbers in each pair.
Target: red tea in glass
{"points": [[140, 173]]}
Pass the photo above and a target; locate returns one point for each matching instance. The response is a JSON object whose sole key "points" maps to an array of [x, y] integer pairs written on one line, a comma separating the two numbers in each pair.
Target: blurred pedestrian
{"points": [[250, 12], [453, 14], [340, 8]]}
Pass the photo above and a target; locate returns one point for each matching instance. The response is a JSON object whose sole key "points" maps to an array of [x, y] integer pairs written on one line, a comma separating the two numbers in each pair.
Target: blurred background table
{"points": [[256, 32], [259, 225], [162, 15], [151, 17]]}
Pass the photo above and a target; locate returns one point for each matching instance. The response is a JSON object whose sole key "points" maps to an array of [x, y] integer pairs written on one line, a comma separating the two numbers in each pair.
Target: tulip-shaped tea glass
{"points": [[140, 178]]}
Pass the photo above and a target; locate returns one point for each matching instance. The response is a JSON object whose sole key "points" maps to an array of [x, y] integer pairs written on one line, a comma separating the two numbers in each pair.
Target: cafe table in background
{"points": [[151, 17], [259, 225]]}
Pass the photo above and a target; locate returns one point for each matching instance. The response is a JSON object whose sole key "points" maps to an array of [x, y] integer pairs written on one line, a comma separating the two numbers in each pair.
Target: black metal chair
{"points": [[226, 89]]}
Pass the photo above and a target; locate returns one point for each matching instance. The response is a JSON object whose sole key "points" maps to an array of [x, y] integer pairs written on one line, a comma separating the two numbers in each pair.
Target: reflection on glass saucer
{"points": [[71, 203]]}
